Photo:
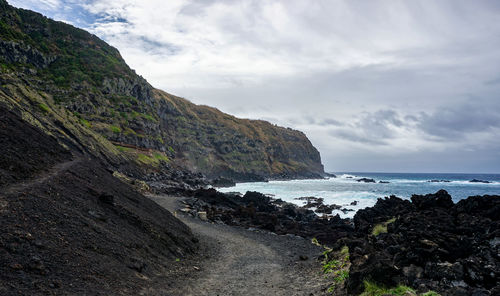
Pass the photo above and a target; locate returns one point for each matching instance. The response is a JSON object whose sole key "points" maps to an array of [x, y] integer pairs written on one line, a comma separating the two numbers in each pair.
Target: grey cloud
{"points": [[460, 119], [352, 136], [310, 119], [371, 128], [377, 124], [492, 81], [330, 122]]}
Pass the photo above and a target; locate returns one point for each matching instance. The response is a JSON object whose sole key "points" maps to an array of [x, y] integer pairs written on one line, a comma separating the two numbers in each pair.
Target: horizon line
{"points": [[371, 172]]}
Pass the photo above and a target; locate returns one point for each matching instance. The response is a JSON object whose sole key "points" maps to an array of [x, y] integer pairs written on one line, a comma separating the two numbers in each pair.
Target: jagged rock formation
{"points": [[71, 80], [429, 243]]}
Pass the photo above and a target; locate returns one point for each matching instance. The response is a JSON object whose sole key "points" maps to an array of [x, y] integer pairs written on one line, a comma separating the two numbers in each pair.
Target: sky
{"points": [[379, 86]]}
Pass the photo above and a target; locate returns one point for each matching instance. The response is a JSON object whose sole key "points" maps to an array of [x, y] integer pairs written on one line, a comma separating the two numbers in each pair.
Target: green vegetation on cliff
{"points": [[76, 85]]}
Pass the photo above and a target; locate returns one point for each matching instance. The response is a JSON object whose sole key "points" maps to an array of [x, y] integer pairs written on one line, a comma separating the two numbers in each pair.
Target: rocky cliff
{"points": [[77, 87]]}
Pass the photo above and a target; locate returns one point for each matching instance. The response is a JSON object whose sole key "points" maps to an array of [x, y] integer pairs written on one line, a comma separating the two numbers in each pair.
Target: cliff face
{"points": [[220, 144], [78, 88]]}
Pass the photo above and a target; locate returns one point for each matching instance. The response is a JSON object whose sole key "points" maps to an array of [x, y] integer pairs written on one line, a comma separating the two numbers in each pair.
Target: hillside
{"points": [[69, 227], [78, 88]]}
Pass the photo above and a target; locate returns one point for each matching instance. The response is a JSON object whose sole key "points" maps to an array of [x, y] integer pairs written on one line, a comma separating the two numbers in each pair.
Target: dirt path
{"points": [[244, 262], [42, 177]]}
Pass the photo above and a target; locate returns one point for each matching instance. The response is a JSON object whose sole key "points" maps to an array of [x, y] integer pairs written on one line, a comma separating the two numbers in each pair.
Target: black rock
{"points": [[485, 206], [327, 209], [430, 244], [223, 182], [479, 181], [344, 210], [136, 264], [440, 199], [366, 180], [106, 198], [384, 182], [385, 209]]}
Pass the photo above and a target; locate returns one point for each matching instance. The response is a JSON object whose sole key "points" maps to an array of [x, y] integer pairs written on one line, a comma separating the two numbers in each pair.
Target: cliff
{"points": [[77, 88]]}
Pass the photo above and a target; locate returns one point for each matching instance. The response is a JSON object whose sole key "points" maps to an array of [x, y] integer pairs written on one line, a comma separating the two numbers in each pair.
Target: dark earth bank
{"points": [[69, 227]]}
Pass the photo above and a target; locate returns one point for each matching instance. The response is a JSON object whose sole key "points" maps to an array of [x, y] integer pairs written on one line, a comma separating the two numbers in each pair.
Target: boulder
{"points": [[439, 199], [366, 180], [479, 181], [223, 182]]}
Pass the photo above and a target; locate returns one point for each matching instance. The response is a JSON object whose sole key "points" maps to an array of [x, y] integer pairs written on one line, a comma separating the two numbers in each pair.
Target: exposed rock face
{"points": [[218, 144], [13, 52], [51, 59]]}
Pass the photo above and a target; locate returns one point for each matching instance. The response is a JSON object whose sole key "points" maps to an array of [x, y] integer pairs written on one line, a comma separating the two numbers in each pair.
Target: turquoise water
{"points": [[345, 189]]}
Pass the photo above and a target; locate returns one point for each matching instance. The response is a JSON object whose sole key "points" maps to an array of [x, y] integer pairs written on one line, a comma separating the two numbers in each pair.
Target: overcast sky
{"points": [[384, 86]]}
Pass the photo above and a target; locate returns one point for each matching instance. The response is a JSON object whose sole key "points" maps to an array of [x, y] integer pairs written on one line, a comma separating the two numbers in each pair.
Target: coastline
{"points": [[347, 189], [435, 259]]}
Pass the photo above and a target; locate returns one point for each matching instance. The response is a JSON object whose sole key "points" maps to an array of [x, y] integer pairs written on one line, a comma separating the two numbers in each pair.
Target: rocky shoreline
{"points": [[428, 243], [83, 137]]}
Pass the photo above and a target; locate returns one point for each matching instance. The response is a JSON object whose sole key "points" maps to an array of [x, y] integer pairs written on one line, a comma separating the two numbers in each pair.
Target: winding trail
{"points": [[42, 177], [243, 262]]}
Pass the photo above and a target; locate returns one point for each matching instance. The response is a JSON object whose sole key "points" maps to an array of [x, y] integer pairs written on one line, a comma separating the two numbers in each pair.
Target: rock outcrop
{"points": [[429, 244]]}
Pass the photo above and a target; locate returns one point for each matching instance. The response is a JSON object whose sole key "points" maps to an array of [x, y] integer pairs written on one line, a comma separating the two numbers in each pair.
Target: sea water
{"points": [[345, 189]]}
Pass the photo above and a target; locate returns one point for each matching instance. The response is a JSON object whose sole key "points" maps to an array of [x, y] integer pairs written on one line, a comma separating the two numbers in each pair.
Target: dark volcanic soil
{"points": [[243, 262], [25, 151], [71, 228]]}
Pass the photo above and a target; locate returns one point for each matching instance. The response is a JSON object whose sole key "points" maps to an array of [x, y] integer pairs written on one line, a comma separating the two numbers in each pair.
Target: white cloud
{"points": [[37, 4]]}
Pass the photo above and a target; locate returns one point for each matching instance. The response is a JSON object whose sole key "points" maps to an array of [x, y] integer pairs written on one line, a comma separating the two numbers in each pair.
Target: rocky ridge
{"points": [[73, 81]]}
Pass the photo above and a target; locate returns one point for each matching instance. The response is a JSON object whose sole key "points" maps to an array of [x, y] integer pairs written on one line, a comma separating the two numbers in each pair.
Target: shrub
{"points": [[338, 266], [372, 289], [124, 149], [382, 227], [160, 156], [44, 108], [85, 123], [115, 129]]}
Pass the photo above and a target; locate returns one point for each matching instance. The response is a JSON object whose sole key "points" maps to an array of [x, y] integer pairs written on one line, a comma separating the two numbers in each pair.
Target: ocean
{"points": [[344, 189]]}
